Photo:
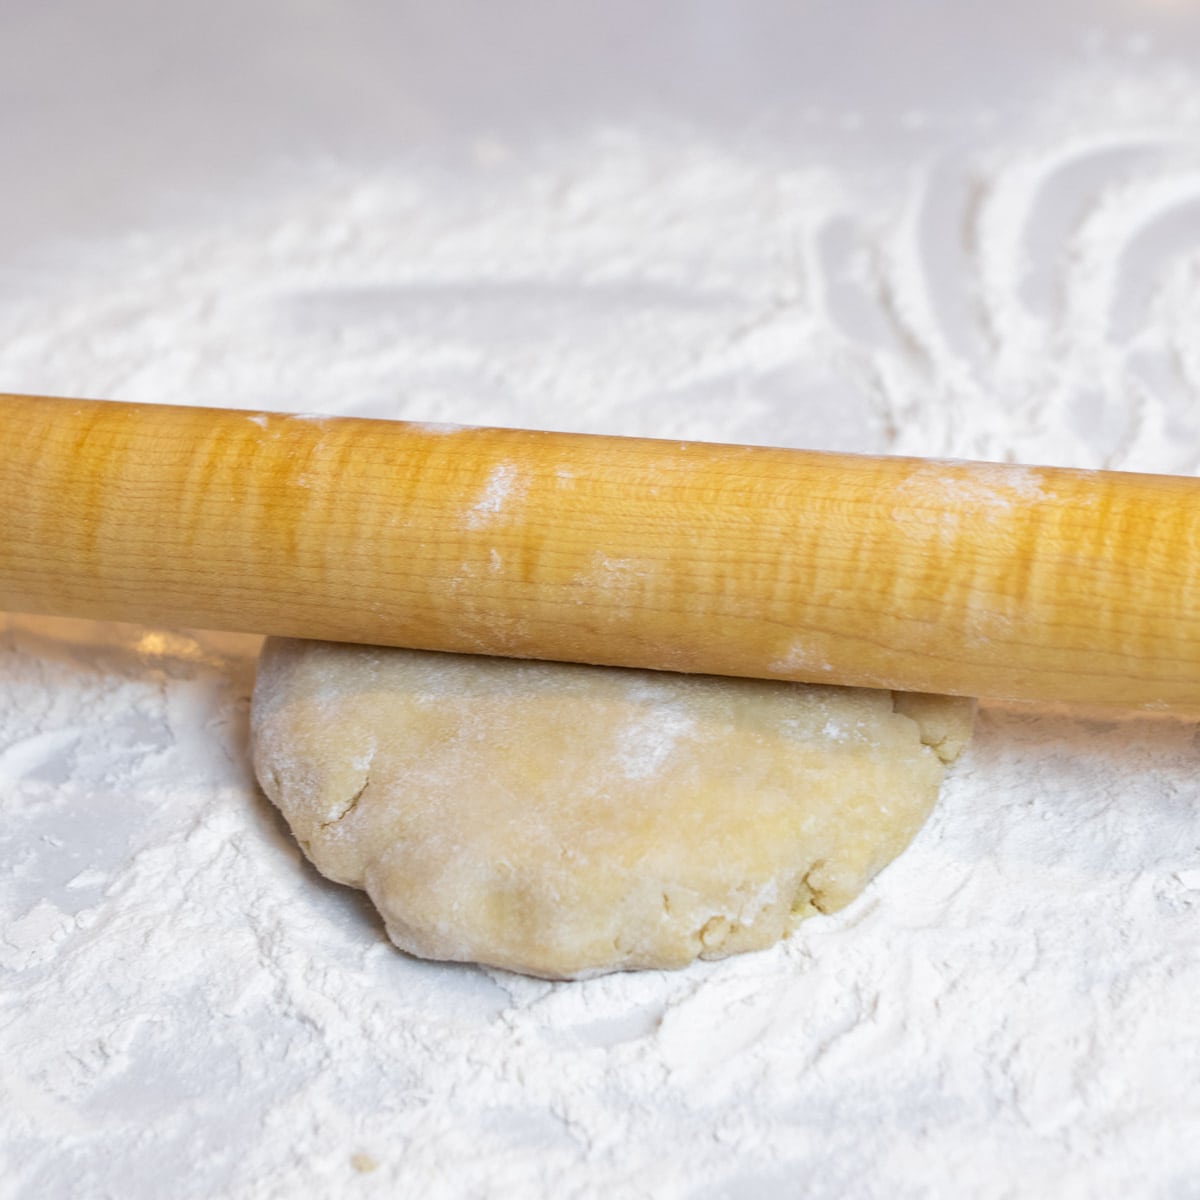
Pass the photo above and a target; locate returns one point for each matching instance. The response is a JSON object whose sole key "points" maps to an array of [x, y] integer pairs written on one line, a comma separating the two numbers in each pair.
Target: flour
{"points": [[1010, 1010], [502, 488], [647, 743]]}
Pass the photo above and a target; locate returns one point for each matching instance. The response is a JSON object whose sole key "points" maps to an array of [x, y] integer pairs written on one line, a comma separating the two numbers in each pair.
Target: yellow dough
{"points": [[565, 820]]}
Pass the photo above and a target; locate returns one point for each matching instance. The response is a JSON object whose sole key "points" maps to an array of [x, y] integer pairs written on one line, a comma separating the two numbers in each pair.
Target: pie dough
{"points": [[564, 820]]}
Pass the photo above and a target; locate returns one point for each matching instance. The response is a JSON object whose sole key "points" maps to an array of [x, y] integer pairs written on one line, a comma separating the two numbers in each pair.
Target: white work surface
{"points": [[941, 229]]}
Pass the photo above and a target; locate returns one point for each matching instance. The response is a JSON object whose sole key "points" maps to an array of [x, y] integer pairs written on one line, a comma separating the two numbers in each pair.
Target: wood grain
{"points": [[969, 578]]}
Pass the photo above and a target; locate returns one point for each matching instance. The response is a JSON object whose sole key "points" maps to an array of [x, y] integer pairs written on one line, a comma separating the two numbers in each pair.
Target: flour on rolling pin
{"points": [[503, 488]]}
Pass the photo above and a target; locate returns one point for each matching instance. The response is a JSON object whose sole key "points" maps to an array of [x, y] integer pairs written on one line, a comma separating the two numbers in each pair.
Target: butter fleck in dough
{"points": [[565, 820]]}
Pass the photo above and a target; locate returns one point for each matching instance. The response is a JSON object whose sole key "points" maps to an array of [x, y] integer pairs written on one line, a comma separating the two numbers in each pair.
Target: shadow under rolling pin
{"points": [[982, 579]]}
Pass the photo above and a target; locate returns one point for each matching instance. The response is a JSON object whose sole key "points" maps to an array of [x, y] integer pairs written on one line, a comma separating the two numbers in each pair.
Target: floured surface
{"points": [[965, 240], [565, 820]]}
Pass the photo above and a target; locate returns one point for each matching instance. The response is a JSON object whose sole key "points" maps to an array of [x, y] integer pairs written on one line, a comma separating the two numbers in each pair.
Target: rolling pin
{"points": [[982, 579]]}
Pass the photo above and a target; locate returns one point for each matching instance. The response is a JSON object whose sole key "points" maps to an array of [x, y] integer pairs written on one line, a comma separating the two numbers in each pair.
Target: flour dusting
{"points": [[1009, 1010], [644, 746], [502, 487]]}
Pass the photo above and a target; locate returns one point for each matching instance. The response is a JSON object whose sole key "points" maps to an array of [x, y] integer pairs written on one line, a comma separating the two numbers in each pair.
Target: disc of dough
{"points": [[564, 820]]}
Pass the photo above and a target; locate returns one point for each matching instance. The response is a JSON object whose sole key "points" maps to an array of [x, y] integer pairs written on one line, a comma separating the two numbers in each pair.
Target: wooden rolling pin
{"points": [[970, 578]]}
